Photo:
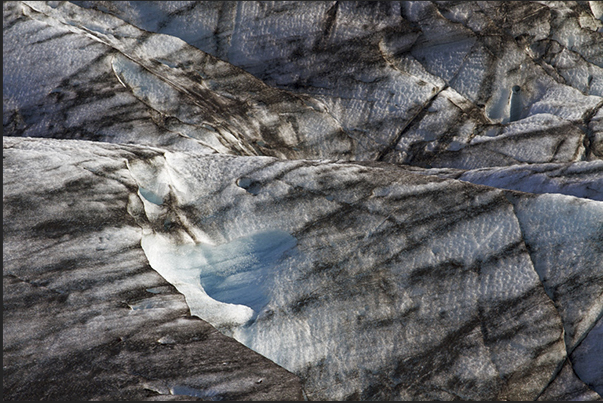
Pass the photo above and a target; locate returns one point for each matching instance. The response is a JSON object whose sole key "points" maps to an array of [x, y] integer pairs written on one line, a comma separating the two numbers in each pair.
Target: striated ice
{"points": [[586, 358], [391, 200], [288, 296], [548, 224]]}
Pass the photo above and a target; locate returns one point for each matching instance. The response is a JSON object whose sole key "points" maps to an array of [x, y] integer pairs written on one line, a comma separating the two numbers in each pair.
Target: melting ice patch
{"points": [[226, 284], [150, 196]]}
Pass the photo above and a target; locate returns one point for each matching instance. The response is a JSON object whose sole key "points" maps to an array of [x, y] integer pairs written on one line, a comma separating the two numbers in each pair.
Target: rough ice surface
{"points": [[391, 200], [557, 230], [582, 179], [586, 358], [495, 255]]}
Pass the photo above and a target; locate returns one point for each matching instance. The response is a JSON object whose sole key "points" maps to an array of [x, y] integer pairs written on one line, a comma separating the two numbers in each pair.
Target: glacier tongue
{"points": [[373, 200]]}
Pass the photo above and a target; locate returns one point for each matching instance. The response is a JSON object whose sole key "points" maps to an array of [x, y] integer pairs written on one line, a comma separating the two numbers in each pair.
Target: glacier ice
{"points": [[353, 190], [586, 358], [226, 284], [487, 259]]}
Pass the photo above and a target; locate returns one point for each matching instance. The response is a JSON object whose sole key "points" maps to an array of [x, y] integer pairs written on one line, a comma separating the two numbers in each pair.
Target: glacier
{"points": [[302, 200]]}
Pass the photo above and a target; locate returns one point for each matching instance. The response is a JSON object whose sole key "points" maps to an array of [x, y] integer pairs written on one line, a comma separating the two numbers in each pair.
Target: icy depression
{"points": [[393, 201]]}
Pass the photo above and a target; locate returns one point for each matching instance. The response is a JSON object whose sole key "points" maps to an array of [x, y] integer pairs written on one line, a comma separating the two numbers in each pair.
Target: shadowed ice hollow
{"points": [[232, 278]]}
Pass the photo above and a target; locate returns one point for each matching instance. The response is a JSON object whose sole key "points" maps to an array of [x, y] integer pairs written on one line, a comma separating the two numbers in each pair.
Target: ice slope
{"points": [[150, 89], [319, 180], [581, 179], [394, 302], [389, 265], [586, 358], [409, 83], [382, 69], [84, 315]]}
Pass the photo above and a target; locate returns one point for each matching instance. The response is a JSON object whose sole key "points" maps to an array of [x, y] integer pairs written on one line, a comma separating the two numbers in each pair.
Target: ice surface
{"points": [[227, 284], [562, 233], [551, 146], [398, 276], [581, 179], [515, 103], [188, 391], [587, 358], [367, 108], [264, 286]]}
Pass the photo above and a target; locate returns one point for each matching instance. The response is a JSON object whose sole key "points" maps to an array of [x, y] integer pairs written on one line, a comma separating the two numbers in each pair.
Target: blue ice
{"points": [[150, 196], [241, 271]]}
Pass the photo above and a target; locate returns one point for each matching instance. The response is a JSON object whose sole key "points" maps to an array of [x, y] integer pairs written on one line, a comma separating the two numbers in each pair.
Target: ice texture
{"points": [[559, 231], [430, 265], [226, 284], [386, 200], [587, 358]]}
